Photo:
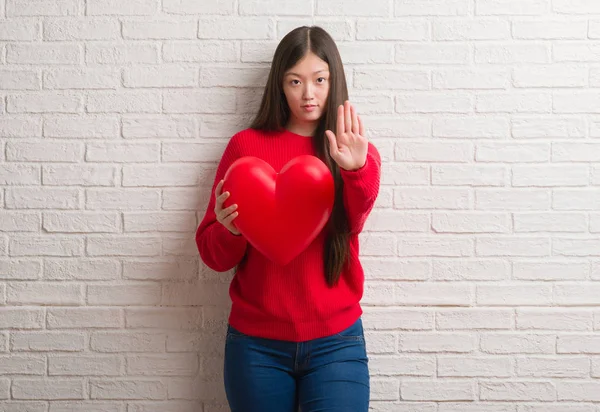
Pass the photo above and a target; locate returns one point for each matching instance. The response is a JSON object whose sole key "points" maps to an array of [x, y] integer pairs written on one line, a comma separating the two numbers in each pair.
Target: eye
{"points": [[321, 78], [295, 80]]}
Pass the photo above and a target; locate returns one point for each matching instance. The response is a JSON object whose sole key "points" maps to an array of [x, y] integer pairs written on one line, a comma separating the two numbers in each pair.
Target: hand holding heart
{"points": [[226, 215], [348, 146]]}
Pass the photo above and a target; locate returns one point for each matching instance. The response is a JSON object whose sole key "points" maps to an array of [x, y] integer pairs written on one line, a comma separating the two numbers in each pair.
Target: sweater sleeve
{"points": [[361, 188], [220, 249]]}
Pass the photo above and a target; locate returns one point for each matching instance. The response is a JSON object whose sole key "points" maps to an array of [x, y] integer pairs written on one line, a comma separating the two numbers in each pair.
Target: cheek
{"points": [[286, 93], [324, 92], [290, 96]]}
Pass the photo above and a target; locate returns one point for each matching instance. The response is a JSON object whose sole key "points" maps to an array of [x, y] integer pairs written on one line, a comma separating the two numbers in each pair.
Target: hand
{"points": [[348, 146], [225, 216]]}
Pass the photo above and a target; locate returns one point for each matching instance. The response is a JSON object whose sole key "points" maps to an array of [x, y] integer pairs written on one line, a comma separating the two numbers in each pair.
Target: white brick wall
{"points": [[481, 256]]}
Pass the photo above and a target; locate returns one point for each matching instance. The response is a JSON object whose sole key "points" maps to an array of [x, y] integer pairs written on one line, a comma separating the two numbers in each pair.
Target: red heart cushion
{"points": [[280, 214]]}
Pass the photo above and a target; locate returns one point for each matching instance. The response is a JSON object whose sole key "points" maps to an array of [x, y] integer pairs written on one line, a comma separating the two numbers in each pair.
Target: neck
{"points": [[304, 129]]}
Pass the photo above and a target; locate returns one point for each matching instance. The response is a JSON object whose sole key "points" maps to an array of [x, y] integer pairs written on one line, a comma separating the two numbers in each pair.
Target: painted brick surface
{"points": [[482, 255]]}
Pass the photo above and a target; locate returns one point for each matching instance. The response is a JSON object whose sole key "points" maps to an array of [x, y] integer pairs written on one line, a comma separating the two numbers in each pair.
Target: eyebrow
{"points": [[296, 74]]}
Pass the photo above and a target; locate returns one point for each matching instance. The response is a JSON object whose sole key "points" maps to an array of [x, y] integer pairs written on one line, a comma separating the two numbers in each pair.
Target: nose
{"points": [[308, 92]]}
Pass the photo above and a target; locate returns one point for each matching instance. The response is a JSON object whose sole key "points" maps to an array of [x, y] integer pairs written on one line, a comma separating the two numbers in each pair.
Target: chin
{"points": [[309, 117], [312, 115]]}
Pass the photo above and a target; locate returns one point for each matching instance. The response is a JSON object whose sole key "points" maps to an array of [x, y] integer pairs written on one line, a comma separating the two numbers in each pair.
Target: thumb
{"points": [[333, 150]]}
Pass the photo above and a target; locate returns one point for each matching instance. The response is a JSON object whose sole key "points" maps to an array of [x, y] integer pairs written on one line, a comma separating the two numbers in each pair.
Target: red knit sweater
{"points": [[291, 302]]}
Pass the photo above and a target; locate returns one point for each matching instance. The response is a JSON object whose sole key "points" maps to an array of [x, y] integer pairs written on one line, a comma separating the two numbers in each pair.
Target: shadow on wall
{"points": [[190, 322], [201, 297]]}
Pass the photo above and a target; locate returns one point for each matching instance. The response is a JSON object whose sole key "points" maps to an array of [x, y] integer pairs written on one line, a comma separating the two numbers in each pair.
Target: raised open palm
{"points": [[348, 146]]}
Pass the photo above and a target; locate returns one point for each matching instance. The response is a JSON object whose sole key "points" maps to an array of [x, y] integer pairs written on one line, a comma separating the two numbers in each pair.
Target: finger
{"points": [[347, 117], [355, 127], [228, 221], [223, 215], [333, 149], [361, 126], [340, 120], [222, 197], [219, 187], [230, 209], [226, 211]]}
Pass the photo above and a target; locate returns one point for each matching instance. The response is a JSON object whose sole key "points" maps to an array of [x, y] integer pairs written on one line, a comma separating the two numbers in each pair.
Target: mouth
{"points": [[310, 105]]}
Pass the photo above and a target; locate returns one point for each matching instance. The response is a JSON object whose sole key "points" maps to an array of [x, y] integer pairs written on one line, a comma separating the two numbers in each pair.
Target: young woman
{"points": [[295, 336]]}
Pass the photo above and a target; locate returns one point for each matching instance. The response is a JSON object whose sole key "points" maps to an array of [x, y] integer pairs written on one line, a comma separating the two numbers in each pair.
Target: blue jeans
{"points": [[329, 374]]}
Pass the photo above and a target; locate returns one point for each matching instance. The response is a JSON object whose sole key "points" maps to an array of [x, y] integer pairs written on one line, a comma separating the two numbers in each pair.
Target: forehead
{"points": [[308, 65]]}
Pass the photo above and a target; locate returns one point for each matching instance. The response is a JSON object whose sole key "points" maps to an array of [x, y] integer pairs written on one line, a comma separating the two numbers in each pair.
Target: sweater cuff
{"points": [[357, 175], [236, 243]]}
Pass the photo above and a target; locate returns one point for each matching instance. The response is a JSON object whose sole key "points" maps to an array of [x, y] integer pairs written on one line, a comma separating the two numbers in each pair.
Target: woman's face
{"points": [[306, 87]]}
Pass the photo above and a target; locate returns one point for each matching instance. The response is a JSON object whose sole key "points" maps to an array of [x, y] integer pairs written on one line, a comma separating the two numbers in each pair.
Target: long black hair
{"points": [[274, 113]]}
